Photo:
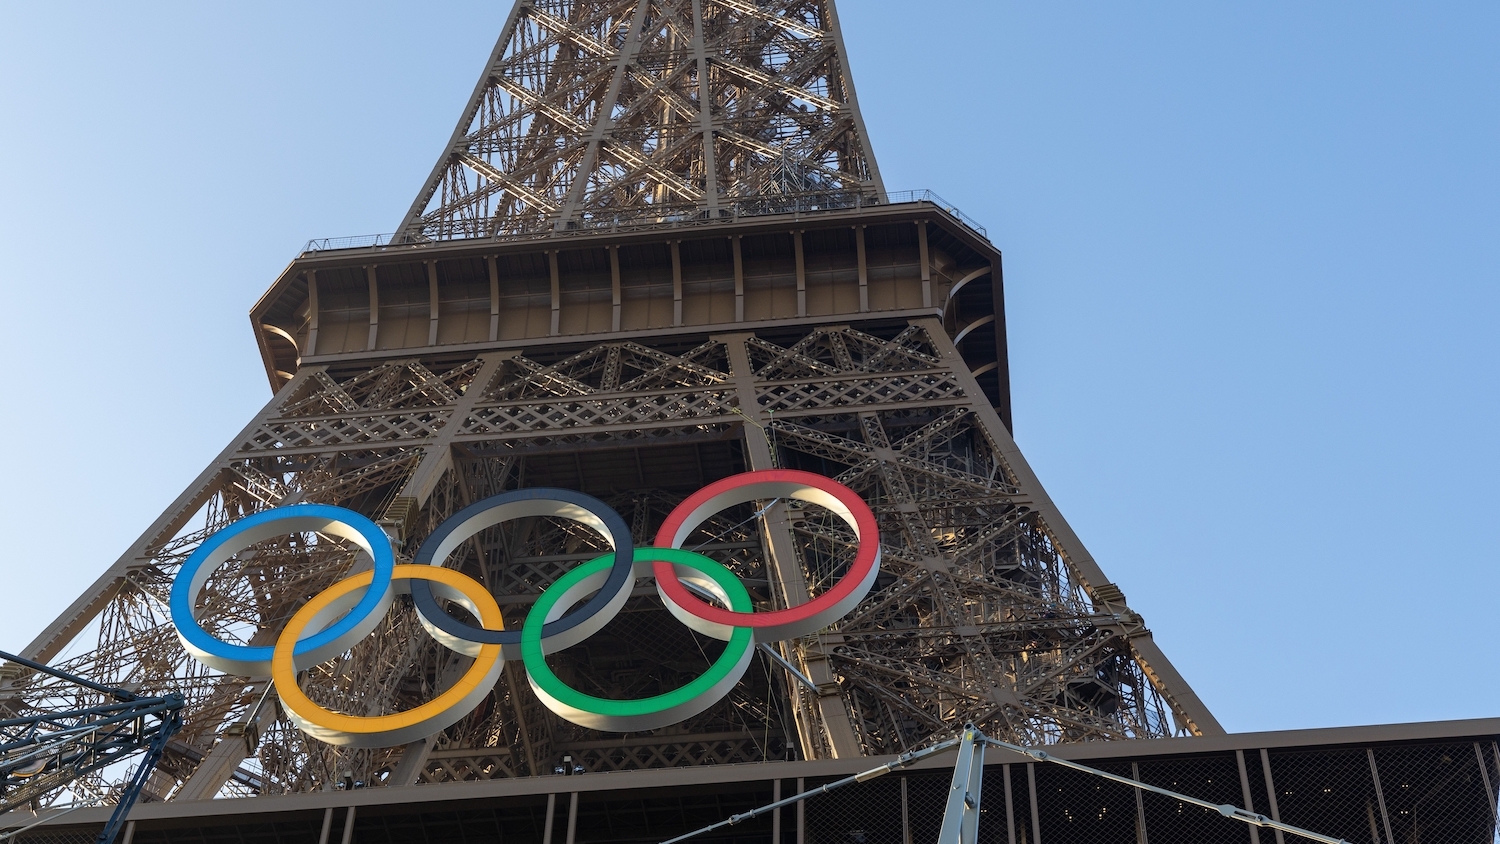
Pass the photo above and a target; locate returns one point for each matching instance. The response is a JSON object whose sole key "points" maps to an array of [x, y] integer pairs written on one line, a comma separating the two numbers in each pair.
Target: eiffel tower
{"points": [[657, 251]]}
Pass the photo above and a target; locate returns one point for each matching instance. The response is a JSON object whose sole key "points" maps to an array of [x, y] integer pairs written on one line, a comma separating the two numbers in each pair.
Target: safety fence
{"points": [[1442, 792], [659, 216], [1400, 794]]}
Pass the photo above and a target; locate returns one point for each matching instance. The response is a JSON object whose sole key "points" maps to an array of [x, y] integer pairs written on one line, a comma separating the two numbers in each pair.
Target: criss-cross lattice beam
{"points": [[987, 609], [611, 109]]}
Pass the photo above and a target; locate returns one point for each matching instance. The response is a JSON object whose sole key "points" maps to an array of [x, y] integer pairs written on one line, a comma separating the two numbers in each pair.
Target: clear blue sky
{"points": [[1250, 259]]}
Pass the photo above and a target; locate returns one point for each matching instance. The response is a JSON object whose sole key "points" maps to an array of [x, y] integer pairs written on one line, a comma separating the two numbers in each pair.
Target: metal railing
{"points": [[651, 217]]}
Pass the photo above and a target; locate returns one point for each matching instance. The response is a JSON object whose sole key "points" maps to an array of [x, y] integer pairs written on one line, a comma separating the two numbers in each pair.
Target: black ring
{"points": [[480, 515]]}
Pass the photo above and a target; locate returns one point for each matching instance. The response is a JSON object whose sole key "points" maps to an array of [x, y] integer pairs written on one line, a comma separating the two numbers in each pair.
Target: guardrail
{"points": [[666, 217]]}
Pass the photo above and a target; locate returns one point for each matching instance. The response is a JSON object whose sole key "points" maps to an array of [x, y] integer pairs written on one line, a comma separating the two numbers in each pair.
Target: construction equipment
{"points": [[46, 751]]}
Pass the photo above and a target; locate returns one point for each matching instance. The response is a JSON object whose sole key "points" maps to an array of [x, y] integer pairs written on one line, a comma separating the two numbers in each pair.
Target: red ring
{"points": [[773, 483]]}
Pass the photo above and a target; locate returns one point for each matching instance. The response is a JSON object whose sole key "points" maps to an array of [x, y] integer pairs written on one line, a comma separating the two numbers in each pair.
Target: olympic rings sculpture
{"points": [[575, 607]]}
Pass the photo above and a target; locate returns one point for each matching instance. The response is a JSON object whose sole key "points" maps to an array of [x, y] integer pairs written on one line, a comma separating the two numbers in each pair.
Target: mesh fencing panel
{"points": [[59, 836], [866, 813], [1077, 806], [1212, 778], [926, 796], [997, 817], [1437, 792], [1407, 793], [1329, 791]]}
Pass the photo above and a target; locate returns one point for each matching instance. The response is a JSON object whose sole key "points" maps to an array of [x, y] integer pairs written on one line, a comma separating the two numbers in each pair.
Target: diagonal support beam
{"points": [[1185, 703], [832, 710]]}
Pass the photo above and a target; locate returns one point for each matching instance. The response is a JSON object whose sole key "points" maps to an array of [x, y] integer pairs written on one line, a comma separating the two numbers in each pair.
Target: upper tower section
{"points": [[600, 112]]}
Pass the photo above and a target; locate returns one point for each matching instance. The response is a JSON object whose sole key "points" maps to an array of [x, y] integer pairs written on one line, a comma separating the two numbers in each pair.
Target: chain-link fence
{"points": [[1077, 805], [1438, 792], [76, 835], [1395, 793], [1212, 778], [872, 813], [1398, 794]]}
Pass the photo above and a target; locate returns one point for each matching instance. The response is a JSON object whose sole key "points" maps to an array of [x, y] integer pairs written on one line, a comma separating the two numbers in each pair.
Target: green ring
{"points": [[643, 713]]}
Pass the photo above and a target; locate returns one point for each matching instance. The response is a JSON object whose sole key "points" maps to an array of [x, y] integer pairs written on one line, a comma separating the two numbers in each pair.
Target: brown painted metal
{"points": [[862, 338], [640, 109]]}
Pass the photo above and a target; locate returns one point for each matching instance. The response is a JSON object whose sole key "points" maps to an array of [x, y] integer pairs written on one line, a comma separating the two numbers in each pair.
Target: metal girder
{"points": [[647, 108], [988, 610]]}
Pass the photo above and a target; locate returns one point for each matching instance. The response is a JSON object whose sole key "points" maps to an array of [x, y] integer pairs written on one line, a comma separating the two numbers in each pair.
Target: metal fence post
{"points": [[1385, 818], [905, 815], [1010, 810], [1489, 787], [801, 814], [776, 814], [1140, 807], [349, 826], [1239, 756], [327, 825], [1036, 820], [1265, 767]]}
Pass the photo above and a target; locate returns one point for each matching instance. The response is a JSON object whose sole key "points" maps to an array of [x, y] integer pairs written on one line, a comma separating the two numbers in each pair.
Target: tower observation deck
{"points": [[657, 252]]}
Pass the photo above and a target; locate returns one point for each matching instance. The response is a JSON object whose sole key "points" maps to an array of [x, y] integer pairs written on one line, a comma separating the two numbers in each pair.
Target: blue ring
{"points": [[181, 602], [621, 576]]}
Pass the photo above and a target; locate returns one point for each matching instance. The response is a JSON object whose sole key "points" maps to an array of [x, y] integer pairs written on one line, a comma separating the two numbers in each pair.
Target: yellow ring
{"points": [[401, 727]]}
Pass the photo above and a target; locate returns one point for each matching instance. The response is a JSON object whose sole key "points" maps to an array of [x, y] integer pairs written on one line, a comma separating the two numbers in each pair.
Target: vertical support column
{"points": [[551, 816], [374, 286], [676, 282], [614, 288], [327, 825], [1239, 757], [785, 567], [1036, 819], [432, 303], [801, 273], [494, 269], [801, 813], [1265, 768], [572, 818], [905, 814], [739, 279], [1010, 809], [348, 826], [556, 293], [1140, 807], [1385, 818], [776, 813], [926, 264], [129, 836], [864, 272], [312, 313], [705, 115]]}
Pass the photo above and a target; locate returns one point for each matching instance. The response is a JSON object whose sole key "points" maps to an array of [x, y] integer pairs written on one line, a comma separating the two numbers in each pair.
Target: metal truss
{"points": [[53, 751], [595, 112], [988, 610]]}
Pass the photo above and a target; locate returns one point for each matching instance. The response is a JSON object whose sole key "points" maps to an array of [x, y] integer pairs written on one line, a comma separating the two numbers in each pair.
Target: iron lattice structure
{"points": [[592, 113], [863, 340]]}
